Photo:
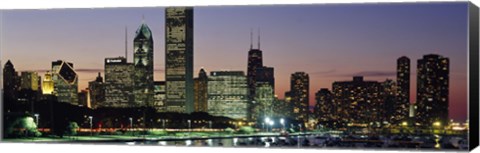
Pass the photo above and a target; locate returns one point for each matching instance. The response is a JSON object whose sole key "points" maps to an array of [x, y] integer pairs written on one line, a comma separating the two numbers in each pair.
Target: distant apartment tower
{"points": [[300, 94], [359, 102], [201, 91], [159, 97], [47, 84], [325, 109], [118, 83], [143, 66], [402, 90], [97, 91], [432, 90], [227, 94], [29, 80], [391, 107], [179, 59], [65, 82]]}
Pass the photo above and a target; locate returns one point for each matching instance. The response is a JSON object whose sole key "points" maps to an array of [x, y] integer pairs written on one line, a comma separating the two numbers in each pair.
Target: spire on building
{"points": [[126, 46], [251, 39], [258, 38]]}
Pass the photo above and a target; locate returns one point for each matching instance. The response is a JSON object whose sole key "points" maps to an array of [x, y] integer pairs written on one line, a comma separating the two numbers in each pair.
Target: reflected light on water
{"points": [[163, 143], [235, 140]]}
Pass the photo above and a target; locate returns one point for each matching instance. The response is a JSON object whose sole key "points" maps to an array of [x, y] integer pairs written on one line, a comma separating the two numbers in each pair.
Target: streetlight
{"points": [[36, 119], [131, 124], [91, 125], [210, 124], [282, 121], [189, 125], [163, 123], [267, 121], [436, 124], [404, 124], [271, 125]]}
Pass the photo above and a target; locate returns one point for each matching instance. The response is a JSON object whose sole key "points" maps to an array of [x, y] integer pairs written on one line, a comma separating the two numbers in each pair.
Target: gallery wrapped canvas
{"points": [[343, 76]]}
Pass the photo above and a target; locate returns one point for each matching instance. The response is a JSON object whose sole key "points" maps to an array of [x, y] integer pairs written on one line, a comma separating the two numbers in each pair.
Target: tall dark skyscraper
{"points": [[143, 66], [11, 82], [300, 92], [179, 59], [402, 103], [201, 87], [391, 106], [65, 82], [255, 61], [432, 90]]}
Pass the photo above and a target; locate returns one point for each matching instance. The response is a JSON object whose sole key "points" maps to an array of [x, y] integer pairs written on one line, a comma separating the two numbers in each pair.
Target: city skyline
{"points": [[281, 54]]}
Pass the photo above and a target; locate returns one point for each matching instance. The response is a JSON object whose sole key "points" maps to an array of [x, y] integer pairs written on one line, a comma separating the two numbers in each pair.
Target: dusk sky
{"points": [[329, 42]]}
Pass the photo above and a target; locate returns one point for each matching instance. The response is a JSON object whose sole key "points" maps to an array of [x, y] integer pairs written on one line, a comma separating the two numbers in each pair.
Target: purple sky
{"points": [[330, 42]]}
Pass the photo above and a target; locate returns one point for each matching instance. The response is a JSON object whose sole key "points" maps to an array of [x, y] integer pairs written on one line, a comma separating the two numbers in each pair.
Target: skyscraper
{"points": [[97, 91], [325, 109], [359, 102], [118, 83], [200, 88], [65, 82], [432, 90], [143, 66], [227, 94], [29, 80], [402, 103], [263, 101], [11, 82], [47, 84], [255, 61], [300, 92], [392, 107], [179, 59]]}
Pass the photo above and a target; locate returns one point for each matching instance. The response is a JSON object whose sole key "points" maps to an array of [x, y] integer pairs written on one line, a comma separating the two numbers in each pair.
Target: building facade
{"points": [[228, 94], [432, 90], [11, 82], [159, 97], [179, 59], [402, 90], [118, 83], [47, 84], [391, 106], [263, 102], [65, 82], [300, 94], [359, 102], [29, 80], [325, 109], [97, 91], [143, 66], [201, 92]]}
